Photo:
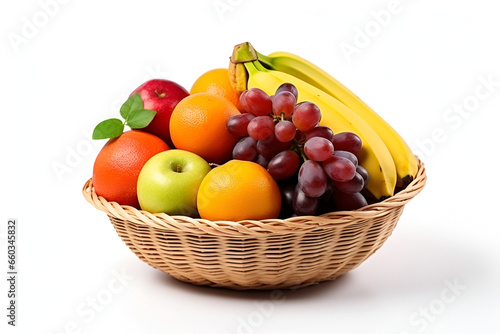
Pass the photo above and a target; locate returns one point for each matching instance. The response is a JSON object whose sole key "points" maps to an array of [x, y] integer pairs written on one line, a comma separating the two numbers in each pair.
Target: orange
{"points": [[118, 164], [198, 125], [217, 82], [239, 190]]}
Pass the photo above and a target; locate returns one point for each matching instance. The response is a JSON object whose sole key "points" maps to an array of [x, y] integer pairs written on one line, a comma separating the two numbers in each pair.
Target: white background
{"points": [[79, 65]]}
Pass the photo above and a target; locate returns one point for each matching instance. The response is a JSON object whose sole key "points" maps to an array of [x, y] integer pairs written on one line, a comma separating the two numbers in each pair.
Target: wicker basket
{"points": [[267, 254]]}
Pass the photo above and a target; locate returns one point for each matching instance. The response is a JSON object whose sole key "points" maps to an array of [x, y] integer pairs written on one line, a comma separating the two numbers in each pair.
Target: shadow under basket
{"points": [[265, 254]]}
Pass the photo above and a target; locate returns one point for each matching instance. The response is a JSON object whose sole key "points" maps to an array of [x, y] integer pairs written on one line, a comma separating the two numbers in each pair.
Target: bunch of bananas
{"points": [[384, 154]]}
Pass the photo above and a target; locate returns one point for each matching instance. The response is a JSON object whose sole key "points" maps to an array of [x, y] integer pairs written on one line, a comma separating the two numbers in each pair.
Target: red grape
{"points": [[318, 148], [304, 205], [261, 160], [243, 101], [347, 155], [245, 149], [312, 179], [237, 124], [287, 192], [271, 146], [261, 127], [258, 102], [287, 87], [306, 116], [299, 135], [285, 131], [328, 192], [339, 168], [347, 141], [325, 200], [284, 103], [364, 174], [320, 131], [344, 201], [283, 165], [355, 185]]}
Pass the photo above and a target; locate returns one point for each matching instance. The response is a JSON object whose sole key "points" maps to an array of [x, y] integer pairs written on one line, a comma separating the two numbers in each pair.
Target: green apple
{"points": [[169, 182]]}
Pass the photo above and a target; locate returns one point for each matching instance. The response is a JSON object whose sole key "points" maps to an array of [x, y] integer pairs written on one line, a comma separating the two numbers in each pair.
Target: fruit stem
{"points": [[302, 154], [254, 67], [179, 169], [265, 60], [259, 66], [250, 67], [161, 95]]}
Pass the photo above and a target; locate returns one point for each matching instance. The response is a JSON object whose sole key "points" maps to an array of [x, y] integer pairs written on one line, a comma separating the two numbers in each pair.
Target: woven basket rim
{"points": [[300, 224]]}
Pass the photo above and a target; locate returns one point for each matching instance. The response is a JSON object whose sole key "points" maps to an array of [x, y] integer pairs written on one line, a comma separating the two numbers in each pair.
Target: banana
{"points": [[373, 156], [238, 75], [405, 161]]}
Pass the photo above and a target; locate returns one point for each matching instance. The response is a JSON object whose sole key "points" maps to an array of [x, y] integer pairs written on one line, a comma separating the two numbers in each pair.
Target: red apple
{"points": [[161, 96]]}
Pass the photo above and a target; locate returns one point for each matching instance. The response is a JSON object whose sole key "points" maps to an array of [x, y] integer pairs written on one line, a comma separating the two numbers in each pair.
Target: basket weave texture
{"points": [[265, 254]]}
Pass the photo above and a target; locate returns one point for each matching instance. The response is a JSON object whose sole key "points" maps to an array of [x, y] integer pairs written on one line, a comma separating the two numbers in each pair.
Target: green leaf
{"points": [[133, 103], [109, 128], [138, 119]]}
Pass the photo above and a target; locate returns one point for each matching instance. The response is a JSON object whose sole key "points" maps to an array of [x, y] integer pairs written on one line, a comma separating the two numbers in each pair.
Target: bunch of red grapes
{"points": [[317, 170]]}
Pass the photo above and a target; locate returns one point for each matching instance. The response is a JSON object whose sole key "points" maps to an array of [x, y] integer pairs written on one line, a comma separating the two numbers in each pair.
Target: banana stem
{"points": [[251, 67], [254, 67], [265, 60], [259, 66]]}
